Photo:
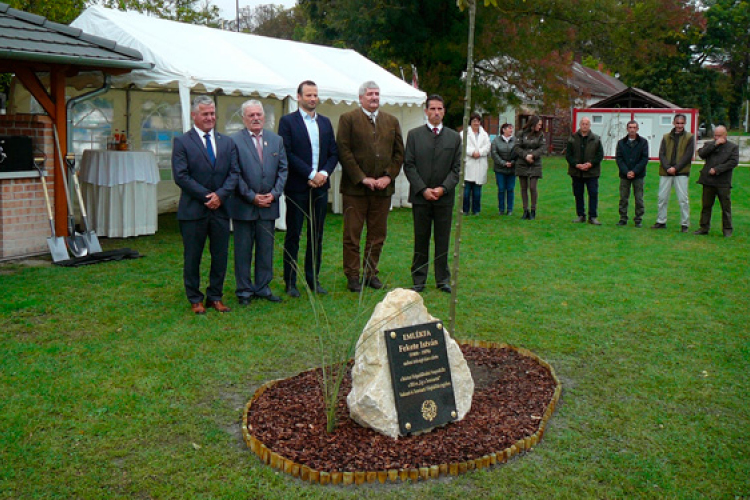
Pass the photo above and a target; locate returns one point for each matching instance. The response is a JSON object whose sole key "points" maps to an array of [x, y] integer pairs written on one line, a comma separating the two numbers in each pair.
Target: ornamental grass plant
{"points": [[111, 388]]}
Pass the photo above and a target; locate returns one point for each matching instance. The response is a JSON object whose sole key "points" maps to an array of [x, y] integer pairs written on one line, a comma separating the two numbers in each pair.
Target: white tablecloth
{"points": [[120, 192]]}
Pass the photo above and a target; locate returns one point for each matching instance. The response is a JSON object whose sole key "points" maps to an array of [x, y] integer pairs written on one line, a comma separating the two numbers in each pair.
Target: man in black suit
{"points": [[204, 166], [255, 205], [432, 163], [311, 149]]}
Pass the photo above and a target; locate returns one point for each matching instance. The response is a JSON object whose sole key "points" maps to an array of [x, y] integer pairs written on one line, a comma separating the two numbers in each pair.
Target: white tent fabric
{"points": [[186, 56]]}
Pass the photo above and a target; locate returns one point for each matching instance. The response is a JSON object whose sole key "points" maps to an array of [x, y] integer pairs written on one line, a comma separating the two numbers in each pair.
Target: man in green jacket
{"points": [[432, 163], [584, 154], [675, 156]]}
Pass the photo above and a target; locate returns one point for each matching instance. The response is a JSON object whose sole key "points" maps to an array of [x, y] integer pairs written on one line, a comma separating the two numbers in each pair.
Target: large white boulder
{"points": [[371, 401]]}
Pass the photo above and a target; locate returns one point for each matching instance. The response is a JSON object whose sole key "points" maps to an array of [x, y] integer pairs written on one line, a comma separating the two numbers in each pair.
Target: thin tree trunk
{"points": [[458, 208]]}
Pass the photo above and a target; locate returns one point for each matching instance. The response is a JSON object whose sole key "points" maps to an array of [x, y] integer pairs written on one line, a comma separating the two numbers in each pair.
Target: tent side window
{"points": [[161, 124]]}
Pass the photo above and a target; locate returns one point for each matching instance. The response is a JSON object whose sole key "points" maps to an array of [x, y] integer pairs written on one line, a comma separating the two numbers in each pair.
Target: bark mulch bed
{"points": [[515, 394]]}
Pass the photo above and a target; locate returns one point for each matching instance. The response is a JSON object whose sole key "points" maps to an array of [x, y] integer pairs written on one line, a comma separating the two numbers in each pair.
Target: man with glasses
{"points": [[675, 155]]}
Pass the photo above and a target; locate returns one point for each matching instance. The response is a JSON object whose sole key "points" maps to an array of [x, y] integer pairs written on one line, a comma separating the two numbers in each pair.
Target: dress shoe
{"points": [[292, 291], [684, 229], [244, 301], [353, 285], [579, 219], [532, 214], [418, 288], [318, 289], [198, 308], [525, 215], [727, 233], [444, 288], [659, 225], [594, 221], [374, 282], [269, 298], [622, 222], [701, 232], [218, 305], [639, 224]]}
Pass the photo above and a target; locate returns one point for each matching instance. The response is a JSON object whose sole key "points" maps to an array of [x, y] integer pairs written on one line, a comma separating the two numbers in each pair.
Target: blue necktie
{"points": [[210, 149]]}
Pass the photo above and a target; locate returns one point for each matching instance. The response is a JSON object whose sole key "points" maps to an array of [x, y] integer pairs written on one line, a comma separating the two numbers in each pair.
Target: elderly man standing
{"points": [[371, 150], [721, 158], [312, 153], [255, 205], [204, 166], [432, 164], [675, 156], [584, 154], [632, 158]]}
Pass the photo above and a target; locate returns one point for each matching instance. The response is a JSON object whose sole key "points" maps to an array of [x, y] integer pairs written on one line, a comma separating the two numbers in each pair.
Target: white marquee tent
{"points": [[154, 105], [189, 57]]}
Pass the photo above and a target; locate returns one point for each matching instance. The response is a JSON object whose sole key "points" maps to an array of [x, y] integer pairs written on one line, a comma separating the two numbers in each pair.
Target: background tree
{"points": [[186, 11], [272, 20]]}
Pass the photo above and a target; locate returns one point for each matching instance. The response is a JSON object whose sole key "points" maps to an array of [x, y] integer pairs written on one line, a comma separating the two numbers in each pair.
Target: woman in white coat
{"points": [[477, 150]]}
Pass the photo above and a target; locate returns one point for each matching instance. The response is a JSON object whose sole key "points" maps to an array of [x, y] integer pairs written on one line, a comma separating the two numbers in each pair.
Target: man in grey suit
{"points": [[255, 205], [432, 163], [204, 166]]}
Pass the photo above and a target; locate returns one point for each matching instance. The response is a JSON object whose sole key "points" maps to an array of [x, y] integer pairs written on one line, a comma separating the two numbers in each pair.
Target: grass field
{"points": [[111, 388]]}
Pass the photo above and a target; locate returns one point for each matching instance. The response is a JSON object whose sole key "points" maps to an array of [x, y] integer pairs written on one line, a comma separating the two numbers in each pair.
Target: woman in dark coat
{"points": [[530, 146], [503, 155]]}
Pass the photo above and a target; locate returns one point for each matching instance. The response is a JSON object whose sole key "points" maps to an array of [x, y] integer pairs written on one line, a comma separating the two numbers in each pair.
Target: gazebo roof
{"points": [[34, 40]]}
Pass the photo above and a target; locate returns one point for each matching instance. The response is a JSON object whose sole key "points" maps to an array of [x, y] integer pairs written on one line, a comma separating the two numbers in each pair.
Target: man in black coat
{"points": [[632, 158], [584, 154], [721, 158], [204, 166], [312, 153], [432, 163]]}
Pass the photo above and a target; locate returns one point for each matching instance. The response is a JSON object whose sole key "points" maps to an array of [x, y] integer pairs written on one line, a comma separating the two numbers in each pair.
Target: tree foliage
{"points": [[59, 11], [186, 11]]}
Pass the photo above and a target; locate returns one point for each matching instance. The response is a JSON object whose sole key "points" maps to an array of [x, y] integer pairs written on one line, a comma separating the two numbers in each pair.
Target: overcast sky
{"points": [[228, 7]]}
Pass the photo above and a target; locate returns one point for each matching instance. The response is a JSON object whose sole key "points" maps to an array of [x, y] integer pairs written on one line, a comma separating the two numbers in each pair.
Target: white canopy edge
{"points": [[189, 57]]}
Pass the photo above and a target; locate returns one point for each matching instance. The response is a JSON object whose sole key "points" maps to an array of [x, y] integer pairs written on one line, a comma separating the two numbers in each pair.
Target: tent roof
{"points": [[30, 38], [197, 56]]}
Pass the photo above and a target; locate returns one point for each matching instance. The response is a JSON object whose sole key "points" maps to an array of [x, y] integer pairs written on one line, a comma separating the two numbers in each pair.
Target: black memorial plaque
{"points": [[421, 377]]}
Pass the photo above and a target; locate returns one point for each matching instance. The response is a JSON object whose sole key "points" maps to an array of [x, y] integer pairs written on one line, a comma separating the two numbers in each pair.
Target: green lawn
{"points": [[111, 388]]}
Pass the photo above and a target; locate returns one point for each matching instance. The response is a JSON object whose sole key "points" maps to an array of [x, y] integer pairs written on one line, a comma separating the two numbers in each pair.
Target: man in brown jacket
{"points": [[371, 151]]}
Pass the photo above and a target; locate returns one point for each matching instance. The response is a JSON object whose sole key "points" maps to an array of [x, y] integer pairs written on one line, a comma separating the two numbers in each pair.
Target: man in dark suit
{"points": [[312, 153], [432, 163], [204, 166], [371, 151], [255, 205]]}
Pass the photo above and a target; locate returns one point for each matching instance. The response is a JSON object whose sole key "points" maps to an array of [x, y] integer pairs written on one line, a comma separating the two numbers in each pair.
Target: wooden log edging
{"points": [[305, 473]]}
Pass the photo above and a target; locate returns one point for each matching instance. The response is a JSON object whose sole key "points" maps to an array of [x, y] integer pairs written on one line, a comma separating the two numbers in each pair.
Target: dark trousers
{"points": [[506, 185], [194, 235], [252, 235], [591, 184], [472, 197], [358, 211], [310, 206], [640, 208], [710, 194], [427, 216]]}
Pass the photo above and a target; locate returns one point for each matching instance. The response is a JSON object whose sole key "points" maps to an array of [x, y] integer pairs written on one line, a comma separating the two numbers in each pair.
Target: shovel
{"points": [[90, 236], [55, 243], [76, 242]]}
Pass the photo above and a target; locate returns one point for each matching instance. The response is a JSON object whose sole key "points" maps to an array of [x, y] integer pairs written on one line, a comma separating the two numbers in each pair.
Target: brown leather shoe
{"points": [[218, 305], [198, 308]]}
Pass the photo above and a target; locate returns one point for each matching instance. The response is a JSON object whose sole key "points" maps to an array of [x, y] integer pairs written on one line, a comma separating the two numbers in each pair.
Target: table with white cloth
{"points": [[120, 192]]}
